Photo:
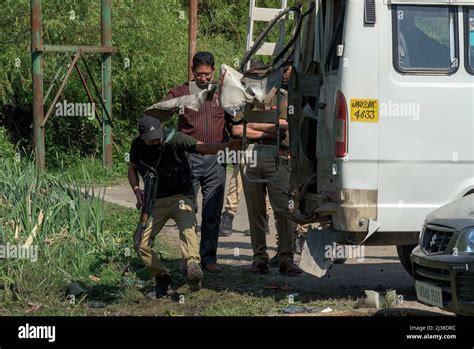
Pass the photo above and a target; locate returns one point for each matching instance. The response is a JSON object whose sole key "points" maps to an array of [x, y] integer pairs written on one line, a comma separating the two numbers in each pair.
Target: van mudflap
{"points": [[313, 260]]}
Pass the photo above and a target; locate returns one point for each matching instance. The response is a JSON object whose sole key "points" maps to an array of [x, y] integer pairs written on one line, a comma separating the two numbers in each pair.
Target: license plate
{"points": [[429, 294]]}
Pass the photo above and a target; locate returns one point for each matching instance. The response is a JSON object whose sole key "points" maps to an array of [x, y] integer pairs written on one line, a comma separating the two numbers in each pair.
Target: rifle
{"points": [[150, 189]]}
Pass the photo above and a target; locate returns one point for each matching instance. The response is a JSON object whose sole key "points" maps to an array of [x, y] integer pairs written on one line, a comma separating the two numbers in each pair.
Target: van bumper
{"points": [[351, 211]]}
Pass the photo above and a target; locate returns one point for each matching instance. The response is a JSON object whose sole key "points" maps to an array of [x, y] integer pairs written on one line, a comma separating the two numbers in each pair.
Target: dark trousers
{"points": [[210, 176]]}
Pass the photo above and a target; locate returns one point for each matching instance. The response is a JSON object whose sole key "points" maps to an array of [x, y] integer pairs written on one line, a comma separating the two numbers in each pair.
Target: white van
{"points": [[388, 127]]}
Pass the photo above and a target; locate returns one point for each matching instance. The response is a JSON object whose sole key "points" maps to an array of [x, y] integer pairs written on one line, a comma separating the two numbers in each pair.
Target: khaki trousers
{"points": [[278, 194], [234, 193], [180, 208]]}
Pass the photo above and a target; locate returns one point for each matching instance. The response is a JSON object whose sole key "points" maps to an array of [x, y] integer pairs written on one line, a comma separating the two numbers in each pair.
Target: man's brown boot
{"points": [[259, 268], [290, 269]]}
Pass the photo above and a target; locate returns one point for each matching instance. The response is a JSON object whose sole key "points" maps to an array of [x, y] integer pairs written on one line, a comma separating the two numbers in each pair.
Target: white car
{"points": [[443, 263]]}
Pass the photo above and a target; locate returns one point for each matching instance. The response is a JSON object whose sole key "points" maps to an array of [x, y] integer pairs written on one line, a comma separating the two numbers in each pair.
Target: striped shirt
{"points": [[208, 125]]}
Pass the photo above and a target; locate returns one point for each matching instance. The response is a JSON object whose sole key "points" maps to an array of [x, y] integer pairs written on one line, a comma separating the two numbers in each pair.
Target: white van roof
{"points": [[429, 2]]}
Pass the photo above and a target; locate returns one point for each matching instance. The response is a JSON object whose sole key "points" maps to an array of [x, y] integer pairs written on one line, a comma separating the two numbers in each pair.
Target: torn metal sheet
{"points": [[373, 228], [165, 109], [232, 96], [262, 84], [237, 89], [313, 259]]}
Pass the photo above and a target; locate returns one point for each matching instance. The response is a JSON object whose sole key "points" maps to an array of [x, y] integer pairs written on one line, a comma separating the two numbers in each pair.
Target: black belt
{"points": [[263, 141], [283, 151], [269, 142]]}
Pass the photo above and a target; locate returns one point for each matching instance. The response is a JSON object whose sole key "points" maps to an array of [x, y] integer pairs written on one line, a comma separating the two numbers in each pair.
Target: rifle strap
{"points": [[167, 140], [155, 170]]}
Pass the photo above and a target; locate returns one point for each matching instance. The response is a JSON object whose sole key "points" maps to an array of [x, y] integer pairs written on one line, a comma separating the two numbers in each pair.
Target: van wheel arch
{"points": [[404, 253]]}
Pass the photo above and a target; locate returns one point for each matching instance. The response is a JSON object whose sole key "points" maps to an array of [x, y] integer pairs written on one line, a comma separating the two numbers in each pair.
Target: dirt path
{"points": [[380, 270]]}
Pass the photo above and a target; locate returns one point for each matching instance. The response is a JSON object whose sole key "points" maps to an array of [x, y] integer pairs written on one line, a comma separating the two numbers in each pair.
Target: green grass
{"points": [[74, 240], [96, 173], [84, 240]]}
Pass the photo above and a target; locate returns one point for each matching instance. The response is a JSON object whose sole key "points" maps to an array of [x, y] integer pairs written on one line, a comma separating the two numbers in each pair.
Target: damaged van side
{"points": [[381, 114]]}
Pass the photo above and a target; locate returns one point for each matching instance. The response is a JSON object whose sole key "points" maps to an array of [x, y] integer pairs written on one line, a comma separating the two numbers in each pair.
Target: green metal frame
{"points": [[106, 50]]}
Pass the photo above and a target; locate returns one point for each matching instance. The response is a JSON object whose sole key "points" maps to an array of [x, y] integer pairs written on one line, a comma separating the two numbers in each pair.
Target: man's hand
{"points": [[139, 196], [214, 148], [252, 134]]}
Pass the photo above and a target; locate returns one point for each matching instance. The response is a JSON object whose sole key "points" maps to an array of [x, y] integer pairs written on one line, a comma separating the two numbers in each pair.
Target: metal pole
{"points": [[37, 72], [106, 38], [193, 21]]}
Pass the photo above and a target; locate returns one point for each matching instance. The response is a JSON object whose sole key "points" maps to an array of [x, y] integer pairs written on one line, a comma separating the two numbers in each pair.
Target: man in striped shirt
{"points": [[208, 125]]}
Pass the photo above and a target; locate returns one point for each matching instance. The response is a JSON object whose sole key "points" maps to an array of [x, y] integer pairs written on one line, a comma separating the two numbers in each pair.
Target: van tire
{"points": [[404, 253]]}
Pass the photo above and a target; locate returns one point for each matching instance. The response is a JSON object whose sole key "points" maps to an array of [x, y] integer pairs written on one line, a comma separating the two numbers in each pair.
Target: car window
{"points": [[470, 39], [425, 38]]}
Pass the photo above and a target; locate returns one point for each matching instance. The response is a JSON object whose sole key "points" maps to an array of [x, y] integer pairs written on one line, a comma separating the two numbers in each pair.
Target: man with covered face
{"points": [[163, 153]]}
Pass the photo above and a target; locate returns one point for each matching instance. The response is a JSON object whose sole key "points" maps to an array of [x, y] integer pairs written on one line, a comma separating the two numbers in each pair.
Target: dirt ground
{"points": [[379, 271]]}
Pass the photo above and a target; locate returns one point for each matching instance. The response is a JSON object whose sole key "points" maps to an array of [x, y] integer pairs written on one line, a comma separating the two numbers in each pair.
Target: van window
{"points": [[470, 39], [425, 39]]}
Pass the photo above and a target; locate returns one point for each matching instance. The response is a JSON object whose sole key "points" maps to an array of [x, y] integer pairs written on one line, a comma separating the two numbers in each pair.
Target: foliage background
{"points": [[151, 34]]}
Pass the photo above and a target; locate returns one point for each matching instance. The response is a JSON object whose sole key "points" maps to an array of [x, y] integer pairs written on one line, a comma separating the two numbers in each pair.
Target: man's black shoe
{"points": [[162, 283], [274, 262]]}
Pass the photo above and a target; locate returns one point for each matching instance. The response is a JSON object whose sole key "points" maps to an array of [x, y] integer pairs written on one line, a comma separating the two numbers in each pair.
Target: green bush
{"points": [[150, 35], [7, 150]]}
